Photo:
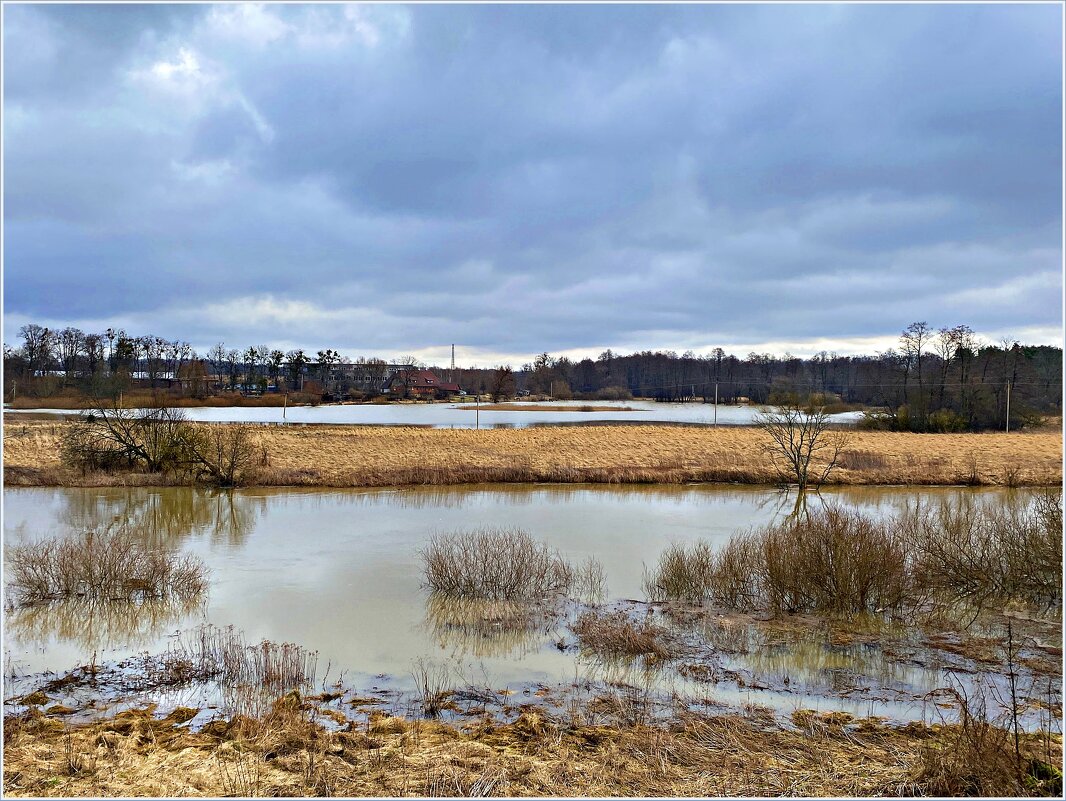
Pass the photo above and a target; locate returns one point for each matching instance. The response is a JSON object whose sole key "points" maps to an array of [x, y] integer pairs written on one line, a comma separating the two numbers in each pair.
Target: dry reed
{"points": [[617, 634]]}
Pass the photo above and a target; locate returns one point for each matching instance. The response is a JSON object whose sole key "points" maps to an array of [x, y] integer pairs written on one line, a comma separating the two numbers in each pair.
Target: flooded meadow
{"points": [[341, 574]]}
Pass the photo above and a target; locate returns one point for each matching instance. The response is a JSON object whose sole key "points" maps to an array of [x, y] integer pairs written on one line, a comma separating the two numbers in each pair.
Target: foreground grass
{"points": [[287, 753], [370, 456]]}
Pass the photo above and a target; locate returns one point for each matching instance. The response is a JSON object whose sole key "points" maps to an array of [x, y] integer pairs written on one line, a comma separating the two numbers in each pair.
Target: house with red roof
{"points": [[414, 383]]}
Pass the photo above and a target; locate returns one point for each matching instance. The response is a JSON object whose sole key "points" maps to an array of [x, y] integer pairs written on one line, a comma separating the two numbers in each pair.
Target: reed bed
{"points": [[363, 456], [105, 566], [494, 565], [839, 562]]}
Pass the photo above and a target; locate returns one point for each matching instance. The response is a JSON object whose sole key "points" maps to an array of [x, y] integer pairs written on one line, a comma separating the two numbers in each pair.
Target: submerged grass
{"points": [[617, 634]]}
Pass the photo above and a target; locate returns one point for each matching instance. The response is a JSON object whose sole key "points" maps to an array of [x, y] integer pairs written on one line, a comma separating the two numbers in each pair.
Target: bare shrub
{"points": [[843, 562], [617, 634], [494, 564], [107, 437], [977, 553], [834, 561], [684, 573], [221, 455], [101, 567]]}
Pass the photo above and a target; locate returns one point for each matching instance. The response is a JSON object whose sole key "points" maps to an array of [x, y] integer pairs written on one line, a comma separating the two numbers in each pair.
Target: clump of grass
{"points": [[101, 567], [495, 565], [210, 653], [616, 634], [433, 686]]}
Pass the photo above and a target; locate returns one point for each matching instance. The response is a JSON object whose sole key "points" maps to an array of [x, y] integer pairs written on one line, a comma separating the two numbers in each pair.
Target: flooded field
{"points": [[459, 415], [340, 573]]}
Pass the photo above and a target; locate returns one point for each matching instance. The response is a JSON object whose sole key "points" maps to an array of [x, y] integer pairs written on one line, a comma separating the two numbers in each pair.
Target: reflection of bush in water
{"points": [[164, 516], [492, 629], [95, 626]]}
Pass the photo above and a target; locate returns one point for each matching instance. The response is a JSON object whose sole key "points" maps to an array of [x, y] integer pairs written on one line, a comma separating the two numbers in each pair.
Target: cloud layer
{"points": [[386, 179]]}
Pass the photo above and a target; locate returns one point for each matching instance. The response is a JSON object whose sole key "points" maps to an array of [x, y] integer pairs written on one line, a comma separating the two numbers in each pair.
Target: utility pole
{"points": [[1008, 408], [284, 407], [551, 390], [451, 371], [716, 404], [477, 411]]}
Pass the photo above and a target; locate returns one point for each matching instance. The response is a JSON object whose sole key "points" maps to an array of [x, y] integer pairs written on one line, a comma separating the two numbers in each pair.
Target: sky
{"points": [[387, 179]]}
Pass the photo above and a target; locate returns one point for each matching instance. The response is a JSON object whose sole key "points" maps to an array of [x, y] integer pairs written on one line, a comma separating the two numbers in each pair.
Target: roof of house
{"points": [[425, 379]]}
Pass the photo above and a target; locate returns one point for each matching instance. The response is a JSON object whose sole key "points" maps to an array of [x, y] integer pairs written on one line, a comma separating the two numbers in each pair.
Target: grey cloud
{"points": [[534, 177]]}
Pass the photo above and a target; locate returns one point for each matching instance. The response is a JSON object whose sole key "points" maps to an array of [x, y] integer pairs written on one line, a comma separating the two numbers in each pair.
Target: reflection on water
{"points": [[339, 572], [469, 627], [100, 625], [163, 517]]}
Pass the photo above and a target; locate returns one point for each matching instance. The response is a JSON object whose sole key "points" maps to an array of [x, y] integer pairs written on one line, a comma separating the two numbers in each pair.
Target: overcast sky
{"points": [[387, 180]]}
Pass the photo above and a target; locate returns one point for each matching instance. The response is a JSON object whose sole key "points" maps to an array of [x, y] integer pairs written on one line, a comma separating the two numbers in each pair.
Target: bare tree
{"points": [[71, 345], [503, 384], [221, 454], [803, 447]]}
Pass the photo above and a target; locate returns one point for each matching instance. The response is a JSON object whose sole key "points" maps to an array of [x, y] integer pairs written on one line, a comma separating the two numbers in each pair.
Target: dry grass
{"points": [[840, 562], [617, 634], [363, 456], [286, 754], [100, 567]]}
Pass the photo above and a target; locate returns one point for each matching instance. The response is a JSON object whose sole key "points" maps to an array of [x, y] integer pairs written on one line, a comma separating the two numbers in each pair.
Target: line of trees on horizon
{"points": [[936, 379]]}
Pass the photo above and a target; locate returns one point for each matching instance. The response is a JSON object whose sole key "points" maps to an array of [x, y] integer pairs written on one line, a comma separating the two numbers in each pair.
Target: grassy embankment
{"points": [[355, 456]]}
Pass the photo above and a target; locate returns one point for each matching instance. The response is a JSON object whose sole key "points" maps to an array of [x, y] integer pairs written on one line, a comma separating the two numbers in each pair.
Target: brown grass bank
{"points": [[365, 456], [286, 754]]}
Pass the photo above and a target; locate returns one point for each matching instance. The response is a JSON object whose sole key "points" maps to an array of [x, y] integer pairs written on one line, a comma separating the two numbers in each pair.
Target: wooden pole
{"points": [[1008, 408], [716, 404]]}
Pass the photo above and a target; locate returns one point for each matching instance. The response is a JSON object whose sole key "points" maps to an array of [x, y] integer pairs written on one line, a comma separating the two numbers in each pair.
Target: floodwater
{"points": [[340, 572], [450, 415]]}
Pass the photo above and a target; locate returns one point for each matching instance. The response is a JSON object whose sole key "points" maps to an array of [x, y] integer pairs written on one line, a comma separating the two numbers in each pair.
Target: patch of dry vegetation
{"points": [[494, 565], [840, 562], [287, 753], [100, 567], [364, 456], [617, 634]]}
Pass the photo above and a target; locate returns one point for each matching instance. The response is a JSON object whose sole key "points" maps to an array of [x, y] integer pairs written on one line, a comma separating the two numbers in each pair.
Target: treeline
{"points": [[946, 379]]}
